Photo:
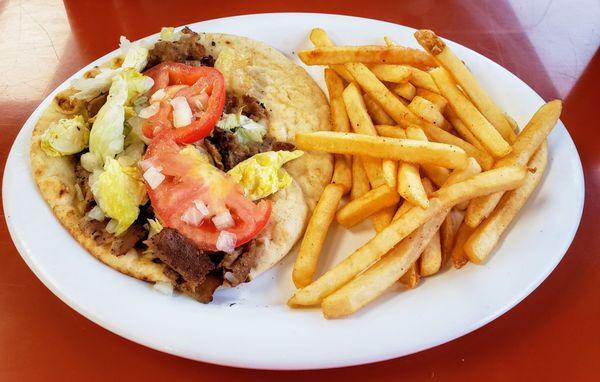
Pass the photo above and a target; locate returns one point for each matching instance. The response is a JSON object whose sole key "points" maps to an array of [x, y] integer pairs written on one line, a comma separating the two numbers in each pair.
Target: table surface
{"points": [[551, 45]]}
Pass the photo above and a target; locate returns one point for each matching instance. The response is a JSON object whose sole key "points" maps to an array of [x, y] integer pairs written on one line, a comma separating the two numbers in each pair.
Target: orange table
{"points": [[553, 46]]}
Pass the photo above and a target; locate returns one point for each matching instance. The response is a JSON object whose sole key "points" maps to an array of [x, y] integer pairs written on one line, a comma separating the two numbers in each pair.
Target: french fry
{"points": [[314, 237], [410, 186], [431, 258], [422, 79], [459, 175], [362, 124], [462, 129], [467, 81], [382, 95], [319, 38], [527, 142], [437, 134], [404, 90], [447, 234], [361, 208], [367, 54], [513, 123], [433, 97], [407, 150], [428, 111], [378, 115], [459, 258], [505, 178], [391, 73], [383, 218], [436, 174], [411, 277], [487, 235], [481, 128], [390, 172], [391, 131], [383, 274], [342, 173], [360, 181]]}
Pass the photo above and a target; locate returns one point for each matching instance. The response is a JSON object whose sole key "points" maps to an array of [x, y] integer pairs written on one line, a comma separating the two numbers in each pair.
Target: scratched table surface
{"points": [[551, 45]]}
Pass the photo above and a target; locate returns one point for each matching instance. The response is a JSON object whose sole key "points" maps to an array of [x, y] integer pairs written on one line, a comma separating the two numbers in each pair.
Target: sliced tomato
{"points": [[198, 80], [188, 180]]}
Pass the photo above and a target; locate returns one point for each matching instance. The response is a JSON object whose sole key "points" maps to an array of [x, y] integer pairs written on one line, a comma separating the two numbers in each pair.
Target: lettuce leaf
{"points": [[66, 137]]}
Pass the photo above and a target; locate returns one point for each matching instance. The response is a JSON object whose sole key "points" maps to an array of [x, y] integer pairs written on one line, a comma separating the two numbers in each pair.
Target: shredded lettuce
{"points": [[66, 137], [155, 227], [169, 34], [262, 174], [245, 129], [136, 56], [119, 191]]}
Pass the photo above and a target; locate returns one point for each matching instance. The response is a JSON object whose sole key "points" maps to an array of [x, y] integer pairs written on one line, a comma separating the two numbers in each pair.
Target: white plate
{"points": [[250, 326]]}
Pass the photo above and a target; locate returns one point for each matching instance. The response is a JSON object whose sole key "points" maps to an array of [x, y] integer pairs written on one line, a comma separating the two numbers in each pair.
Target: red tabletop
{"points": [[551, 45]]}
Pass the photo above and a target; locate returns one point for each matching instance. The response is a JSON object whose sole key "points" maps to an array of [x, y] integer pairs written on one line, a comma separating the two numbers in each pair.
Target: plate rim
{"points": [[23, 252]]}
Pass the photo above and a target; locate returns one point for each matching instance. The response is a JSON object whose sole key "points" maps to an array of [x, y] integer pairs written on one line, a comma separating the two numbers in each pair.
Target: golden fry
{"points": [[383, 274], [319, 37], [361, 208], [481, 128], [314, 237], [407, 150], [467, 81], [404, 90], [390, 172], [459, 175], [459, 258], [368, 54], [530, 139], [433, 97], [462, 129], [391, 73], [436, 174], [342, 172], [391, 131], [378, 115], [431, 258], [410, 186], [426, 110], [383, 218], [486, 236], [411, 277], [360, 181], [335, 87]]}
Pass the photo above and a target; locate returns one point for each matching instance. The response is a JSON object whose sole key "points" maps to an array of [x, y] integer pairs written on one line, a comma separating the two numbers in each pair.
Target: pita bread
{"points": [[295, 103]]}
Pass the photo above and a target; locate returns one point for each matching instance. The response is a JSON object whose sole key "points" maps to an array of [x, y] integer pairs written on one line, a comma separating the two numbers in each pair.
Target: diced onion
{"points": [[158, 96], [154, 177], [182, 113], [149, 111], [200, 101], [163, 287], [111, 226], [223, 220], [96, 213], [201, 207], [146, 164], [226, 242], [192, 216]]}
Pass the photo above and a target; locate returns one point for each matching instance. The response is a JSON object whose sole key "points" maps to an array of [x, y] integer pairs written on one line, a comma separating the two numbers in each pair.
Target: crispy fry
{"points": [[383, 218], [390, 172], [462, 129], [481, 128], [410, 186], [427, 110], [530, 139], [367, 54], [439, 101], [513, 123], [314, 237], [487, 235], [361, 208], [360, 181], [411, 277], [335, 87], [459, 258], [481, 184], [391, 131], [447, 233], [391, 73], [382, 95], [376, 112], [404, 90], [383, 274], [459, 175], [407, 150], [422, 79], [436, 174], [467, 81], [431, 258], [437, 134], [362, 124], [342, 173], [319, 37]]}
